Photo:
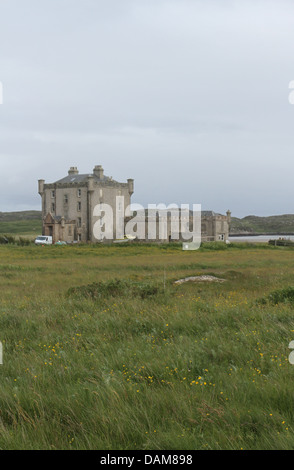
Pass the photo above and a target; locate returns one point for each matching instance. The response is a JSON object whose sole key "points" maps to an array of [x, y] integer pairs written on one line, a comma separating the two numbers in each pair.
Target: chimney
{"points": [[229, 216], [131, 186], [41, 186], [98, 171], [90, 183], [73, 170]]}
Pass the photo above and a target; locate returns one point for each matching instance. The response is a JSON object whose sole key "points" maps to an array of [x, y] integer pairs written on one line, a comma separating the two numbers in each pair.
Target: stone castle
{"points": [[68, 205]]}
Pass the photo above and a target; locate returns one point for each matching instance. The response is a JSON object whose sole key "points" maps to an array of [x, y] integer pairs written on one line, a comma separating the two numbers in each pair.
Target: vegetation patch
{"points": [[116, 288], [285, 295], [9, 239]]}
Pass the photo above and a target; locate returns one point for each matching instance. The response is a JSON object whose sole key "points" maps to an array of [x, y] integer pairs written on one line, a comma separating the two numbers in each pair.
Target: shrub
{"points": [[115, 288], [282, 295], [24, 241], [285, 295], [9, 239], [4, 239]]}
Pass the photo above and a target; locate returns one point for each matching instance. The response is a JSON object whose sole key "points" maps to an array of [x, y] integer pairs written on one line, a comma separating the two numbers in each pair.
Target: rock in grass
{"points": [[204, 278]]}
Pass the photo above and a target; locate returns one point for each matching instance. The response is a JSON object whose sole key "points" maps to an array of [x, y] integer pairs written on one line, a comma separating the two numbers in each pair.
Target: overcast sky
{"points": [[188, 97]]}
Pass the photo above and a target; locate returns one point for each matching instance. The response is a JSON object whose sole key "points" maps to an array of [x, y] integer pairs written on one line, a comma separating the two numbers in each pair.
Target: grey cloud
{"points": [[190, 98]]}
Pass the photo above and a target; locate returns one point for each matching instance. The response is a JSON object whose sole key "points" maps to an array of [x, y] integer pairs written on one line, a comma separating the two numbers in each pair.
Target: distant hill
{"points": [[30, 223], [252, 224], [23, 215]]}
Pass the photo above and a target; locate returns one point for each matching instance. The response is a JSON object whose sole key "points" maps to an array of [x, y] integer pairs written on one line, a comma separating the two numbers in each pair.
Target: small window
{"points": [[79, 222], [53, 193], [79, 206], [52, 207], [79, 192], [65, 199]]}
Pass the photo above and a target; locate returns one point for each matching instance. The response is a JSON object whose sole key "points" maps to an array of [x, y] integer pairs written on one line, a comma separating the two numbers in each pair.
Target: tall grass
{"points": [[101, 350]]}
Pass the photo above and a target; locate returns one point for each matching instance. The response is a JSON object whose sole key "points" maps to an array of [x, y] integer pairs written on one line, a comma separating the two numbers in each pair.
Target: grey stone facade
{"points": [[214, 227], [68, 209], [68, 204]]}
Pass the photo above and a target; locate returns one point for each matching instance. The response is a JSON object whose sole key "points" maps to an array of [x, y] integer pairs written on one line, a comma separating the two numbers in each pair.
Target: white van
{"points": [[43, 240]]}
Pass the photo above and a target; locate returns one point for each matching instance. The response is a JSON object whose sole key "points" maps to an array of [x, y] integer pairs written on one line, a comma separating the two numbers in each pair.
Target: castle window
{"points": [[53, 193], [52, 207], [65, 199], [79, 222], [79, 207], [79, 192]]}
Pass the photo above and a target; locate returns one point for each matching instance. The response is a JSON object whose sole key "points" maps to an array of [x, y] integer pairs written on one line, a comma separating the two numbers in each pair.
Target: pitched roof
{"points": [[82, 178], [208, 213]]}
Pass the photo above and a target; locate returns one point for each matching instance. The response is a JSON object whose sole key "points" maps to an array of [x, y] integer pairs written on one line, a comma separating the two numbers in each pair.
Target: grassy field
{"points": [[101, 350], [25, 223], [27, 228]]}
